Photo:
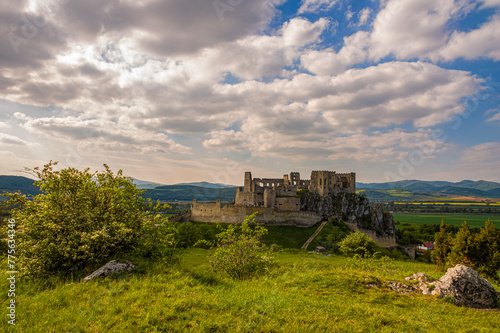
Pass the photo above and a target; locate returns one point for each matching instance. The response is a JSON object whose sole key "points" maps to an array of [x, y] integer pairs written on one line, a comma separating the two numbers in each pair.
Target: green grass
{"points": [[286, 237], [289, 237], [306, 293], [454, 219]]}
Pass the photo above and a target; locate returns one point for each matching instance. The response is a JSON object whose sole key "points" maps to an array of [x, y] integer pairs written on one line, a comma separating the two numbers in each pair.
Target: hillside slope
{"points": [[305, 293]]}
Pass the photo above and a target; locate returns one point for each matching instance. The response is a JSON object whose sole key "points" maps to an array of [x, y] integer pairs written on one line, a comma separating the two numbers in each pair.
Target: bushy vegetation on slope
{"points": [[81, 219]]}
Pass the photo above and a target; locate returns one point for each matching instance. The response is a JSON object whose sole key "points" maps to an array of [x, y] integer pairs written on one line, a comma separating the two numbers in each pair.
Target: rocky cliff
{"points": [[352, 209]]}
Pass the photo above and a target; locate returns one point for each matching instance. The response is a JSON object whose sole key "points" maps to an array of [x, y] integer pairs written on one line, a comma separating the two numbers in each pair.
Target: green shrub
{"points": [[159, 240], [81, 219], [240, 253], [332, 234], [358, 244]]}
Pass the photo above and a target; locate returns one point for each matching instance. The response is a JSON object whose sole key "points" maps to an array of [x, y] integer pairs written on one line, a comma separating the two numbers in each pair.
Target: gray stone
{"points": [[467, 288], [113, 266], [351, 208], [422, 282]]}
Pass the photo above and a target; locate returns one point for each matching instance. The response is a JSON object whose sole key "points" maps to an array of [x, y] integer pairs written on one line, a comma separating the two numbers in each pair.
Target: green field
{"points": [[454, 219], [304, 293]]}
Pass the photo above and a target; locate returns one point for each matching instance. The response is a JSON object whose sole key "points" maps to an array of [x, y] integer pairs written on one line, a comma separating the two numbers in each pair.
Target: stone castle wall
{"points": [[212, 211], [287, 203]]}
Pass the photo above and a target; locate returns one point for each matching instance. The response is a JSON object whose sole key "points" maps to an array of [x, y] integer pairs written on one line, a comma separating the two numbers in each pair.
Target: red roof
{"points": [[428, 244]]}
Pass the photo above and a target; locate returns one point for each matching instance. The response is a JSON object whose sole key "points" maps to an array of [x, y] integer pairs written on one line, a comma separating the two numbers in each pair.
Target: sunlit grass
{"points": [[306, 293]]}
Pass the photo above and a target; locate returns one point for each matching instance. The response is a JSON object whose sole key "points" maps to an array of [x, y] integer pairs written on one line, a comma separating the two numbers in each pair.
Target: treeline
{"points": [[409, 235], [455, 209], [479, 250]]}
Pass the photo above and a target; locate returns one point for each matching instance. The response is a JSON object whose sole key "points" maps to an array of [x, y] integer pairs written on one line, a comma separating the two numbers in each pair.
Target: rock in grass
{"points": [[113, 266], [423, 282], [467, 288]]}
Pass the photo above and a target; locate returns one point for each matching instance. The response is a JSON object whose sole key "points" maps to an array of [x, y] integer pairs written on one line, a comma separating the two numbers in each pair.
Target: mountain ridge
{"points": [[205, 191]]}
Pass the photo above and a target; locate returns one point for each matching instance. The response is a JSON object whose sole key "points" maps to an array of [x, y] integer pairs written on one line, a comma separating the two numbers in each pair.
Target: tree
{"points": [[79, 220], [442, 246], [239, 252], [462, 251], [487, 250]]}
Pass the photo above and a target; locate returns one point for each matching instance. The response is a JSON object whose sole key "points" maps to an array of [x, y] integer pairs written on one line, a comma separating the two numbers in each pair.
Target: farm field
{"points": [[454, 219]]}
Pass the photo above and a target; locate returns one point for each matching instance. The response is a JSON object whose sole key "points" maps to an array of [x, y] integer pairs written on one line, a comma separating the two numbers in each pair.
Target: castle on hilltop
{"points": [[281, 193], [275, 200], [291, 201]]}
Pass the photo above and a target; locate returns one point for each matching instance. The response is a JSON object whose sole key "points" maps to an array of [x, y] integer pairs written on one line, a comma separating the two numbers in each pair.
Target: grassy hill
{"points": [[305, 293]]}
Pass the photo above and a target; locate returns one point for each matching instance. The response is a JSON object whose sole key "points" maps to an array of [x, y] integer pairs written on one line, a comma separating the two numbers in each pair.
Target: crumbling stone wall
{"points": [[211, 212]]}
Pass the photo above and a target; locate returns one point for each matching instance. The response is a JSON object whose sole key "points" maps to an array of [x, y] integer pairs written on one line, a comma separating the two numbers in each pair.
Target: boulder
{"points": [[113, 266], [467, 288]]}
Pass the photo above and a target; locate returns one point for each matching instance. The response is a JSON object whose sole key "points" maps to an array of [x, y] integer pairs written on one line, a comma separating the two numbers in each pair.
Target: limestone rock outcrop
{"points": [[422, 282], [351, 208], [467, 288], [113, 266]]}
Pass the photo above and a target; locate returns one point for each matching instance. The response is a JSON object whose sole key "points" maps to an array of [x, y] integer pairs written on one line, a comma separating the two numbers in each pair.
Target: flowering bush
{"points": [[80, 219]]}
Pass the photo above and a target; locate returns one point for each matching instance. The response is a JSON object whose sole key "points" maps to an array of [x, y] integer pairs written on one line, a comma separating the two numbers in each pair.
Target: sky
{"points": [[203, 90]]}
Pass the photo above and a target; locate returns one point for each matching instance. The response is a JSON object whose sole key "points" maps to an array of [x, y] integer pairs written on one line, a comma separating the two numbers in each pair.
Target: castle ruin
{"points": [[292, 201], [281, 193]]}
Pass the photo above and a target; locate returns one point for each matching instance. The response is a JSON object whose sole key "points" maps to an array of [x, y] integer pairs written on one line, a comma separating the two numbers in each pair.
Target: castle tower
{"points": [[294, 178], [353, 182], [322, 182], [248, 182]]}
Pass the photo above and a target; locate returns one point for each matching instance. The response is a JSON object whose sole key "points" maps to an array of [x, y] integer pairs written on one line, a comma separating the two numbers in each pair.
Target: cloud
{"points": [[167, 28], [27, 38], [490, 3], [364, 15], [328, 62], [374, 146], [102, 134], [6, 139], [314, 6], [481, 154], [477, 43], [226, 140], [308, 110], [410, 29], [495, 116], [422, 29], [300, 32]]}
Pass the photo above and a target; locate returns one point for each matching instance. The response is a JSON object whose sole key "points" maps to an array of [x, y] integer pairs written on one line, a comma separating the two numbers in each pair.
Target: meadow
{"points": [[303, 293], [454, 219]]}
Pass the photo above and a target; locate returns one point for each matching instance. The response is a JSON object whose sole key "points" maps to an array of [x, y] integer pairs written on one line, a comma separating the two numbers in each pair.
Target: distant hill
{"points": [[205, 191], [479, 188], [18, 183], [206, 184], [190, 192], [144, 185]]}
